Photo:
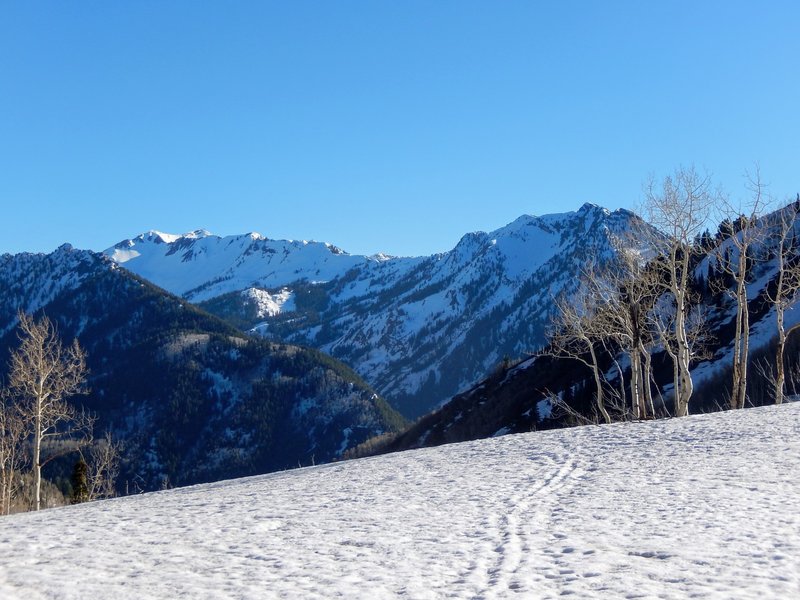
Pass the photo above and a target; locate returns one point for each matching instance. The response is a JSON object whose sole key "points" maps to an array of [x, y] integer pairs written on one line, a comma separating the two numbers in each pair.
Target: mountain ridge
{"points": [[419, 329]]}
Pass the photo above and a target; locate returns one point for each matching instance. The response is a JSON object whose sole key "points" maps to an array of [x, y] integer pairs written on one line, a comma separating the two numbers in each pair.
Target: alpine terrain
{"points": [[419, 330]]}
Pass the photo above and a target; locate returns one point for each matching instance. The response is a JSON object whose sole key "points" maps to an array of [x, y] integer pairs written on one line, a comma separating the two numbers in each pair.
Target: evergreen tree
{"points": [[80, 482]]}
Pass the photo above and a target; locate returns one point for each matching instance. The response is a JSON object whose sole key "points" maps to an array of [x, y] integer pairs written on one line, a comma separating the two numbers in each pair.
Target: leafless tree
{"points": [[787, 285], [575, 334], [103, 468], [628, 291], [13, 433], [733, 257], [43, 373], [679, 208]]}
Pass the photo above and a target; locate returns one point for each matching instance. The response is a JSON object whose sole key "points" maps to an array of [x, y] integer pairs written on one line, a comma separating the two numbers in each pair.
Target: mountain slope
{"points": [[418, 329], [666, 509], [516, 398], [192, 398]]}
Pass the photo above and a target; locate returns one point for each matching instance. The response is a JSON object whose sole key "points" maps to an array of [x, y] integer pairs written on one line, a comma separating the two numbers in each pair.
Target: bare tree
{"points": [[679, 208], [103, 468], [575, 334], [13, 433], [43, 373], [629, 292], [742, 231], [787, 285], [610, 316]]}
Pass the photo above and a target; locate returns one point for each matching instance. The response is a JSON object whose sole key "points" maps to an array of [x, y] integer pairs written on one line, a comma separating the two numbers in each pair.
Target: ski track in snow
{"points": [[699, 507]]}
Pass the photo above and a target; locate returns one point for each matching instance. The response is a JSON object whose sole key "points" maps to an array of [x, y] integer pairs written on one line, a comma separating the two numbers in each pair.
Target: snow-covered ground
{"points": [[705, 506]]}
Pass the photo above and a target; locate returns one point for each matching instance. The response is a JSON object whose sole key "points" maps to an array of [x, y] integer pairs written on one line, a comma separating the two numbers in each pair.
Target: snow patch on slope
{"points": [[269, 305]]}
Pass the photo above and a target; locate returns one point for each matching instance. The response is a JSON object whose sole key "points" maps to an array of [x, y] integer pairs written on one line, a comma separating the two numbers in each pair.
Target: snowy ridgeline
{"points": [[705, 505]]}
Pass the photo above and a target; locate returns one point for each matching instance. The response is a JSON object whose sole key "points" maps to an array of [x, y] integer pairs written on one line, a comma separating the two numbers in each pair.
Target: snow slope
{"points": [[704, 506]]}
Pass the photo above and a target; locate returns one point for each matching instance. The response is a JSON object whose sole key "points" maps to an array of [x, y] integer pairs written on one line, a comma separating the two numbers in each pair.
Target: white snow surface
{"points": [[704, 506], [269, 305]]}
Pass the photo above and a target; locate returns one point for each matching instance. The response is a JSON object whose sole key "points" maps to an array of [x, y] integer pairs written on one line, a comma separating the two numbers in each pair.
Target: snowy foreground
{"points": [[705, 506]]}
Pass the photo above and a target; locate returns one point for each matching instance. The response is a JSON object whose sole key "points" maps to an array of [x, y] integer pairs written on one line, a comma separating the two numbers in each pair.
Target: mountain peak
{"points": [[198, 233], [159, 237], [590, 207]]}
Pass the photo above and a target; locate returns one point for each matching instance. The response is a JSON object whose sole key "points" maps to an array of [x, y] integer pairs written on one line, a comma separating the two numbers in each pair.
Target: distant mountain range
{"points": [[419, 330], [216, 357]]}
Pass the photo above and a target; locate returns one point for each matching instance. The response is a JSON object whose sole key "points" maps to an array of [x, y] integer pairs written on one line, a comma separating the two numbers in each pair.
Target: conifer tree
{"points": [[80, 482]]}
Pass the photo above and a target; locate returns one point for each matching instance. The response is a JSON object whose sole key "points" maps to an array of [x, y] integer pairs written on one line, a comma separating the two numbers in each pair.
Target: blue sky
{"points": [[377, 126]]}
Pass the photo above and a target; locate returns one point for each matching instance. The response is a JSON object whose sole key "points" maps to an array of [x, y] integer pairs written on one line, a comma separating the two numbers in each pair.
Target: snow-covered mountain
{"points": [[417, 329], [699, 507], [192, 398], [200, 266]]}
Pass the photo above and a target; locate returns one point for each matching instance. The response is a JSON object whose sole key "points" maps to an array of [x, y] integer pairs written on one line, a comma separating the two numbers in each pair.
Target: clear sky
{"points": [[377, 126]]}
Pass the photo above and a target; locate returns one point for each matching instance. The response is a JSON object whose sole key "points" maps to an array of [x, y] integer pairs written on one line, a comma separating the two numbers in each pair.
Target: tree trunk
{"points": [[636, 386], [745, 351], [5, 485], [741, 340], [684, 391], [780, 376], [646, 377], [37, 467], [737, 356], [599, 386]]}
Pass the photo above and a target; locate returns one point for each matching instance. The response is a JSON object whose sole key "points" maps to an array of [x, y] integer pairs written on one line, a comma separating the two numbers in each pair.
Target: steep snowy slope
{"points": [[699, 507], [192, 398], [418, 329]]}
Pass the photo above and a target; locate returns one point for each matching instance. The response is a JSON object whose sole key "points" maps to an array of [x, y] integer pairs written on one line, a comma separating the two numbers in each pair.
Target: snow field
{"points": [[704, 506]]}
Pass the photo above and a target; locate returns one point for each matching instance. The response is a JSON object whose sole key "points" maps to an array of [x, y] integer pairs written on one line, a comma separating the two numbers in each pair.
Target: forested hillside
{"points": [[189, 397]]}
